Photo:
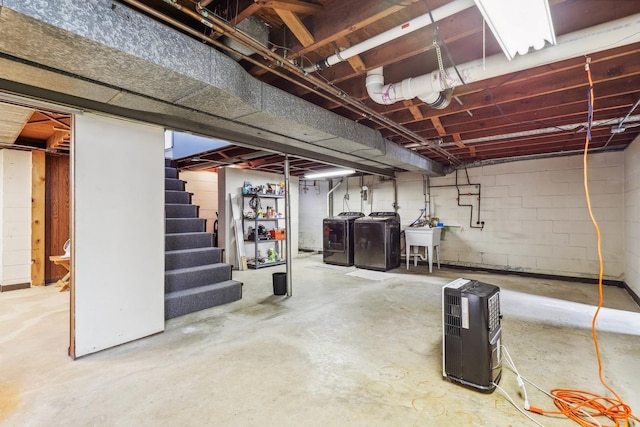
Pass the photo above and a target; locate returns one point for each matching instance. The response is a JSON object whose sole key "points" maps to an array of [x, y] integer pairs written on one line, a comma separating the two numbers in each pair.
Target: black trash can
{"points": [[279, 283]]}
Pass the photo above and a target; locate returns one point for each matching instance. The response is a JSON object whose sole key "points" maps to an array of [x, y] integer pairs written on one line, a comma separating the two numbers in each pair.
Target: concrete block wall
{"points": [[535, 214], [204, 186], [632, 216], [534, 211], [15, 217]]}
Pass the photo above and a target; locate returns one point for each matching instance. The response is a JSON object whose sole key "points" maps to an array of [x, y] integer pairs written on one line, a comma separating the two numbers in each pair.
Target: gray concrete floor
{"points": [[351, 347]]}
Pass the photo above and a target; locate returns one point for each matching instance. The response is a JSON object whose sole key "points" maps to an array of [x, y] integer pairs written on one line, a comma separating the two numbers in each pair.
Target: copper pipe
{"points": [[204, 3]]}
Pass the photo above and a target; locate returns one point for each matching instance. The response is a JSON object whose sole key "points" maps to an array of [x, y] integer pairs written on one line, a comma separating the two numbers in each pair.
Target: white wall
{"points": [[15, 217], [118, 231], [534, 211], [632, 215], [204, 187], [230, 181], [347, 197], [313, 209]]}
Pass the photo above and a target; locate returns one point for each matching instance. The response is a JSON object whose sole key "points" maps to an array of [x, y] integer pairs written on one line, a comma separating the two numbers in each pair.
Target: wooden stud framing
{"points": [[38, 174]]}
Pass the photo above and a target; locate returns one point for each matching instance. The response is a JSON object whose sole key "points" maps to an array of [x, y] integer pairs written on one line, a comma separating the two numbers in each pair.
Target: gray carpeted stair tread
{"points": [[173, 184], [179, 210], [184, 258], [184, 225], [192, 240], [195, 299], [191, 277], [170, 172], [177, 197]]}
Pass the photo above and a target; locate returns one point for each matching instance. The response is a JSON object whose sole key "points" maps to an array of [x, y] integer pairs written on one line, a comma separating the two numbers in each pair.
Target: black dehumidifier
{"points": [[471, 334]]}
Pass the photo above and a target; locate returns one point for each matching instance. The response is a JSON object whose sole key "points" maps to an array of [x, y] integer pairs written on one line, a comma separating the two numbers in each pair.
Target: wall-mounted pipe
{"points": [[431, 89], [361, 198], [392, 34], [479, 223], [330, 196]]}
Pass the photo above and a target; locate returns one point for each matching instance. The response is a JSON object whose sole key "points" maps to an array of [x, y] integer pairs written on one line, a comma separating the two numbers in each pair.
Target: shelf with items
{"points": [[262, 224]]}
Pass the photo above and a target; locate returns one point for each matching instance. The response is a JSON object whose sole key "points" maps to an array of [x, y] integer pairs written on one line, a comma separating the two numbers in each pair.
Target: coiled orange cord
{"points": [[576, 404]]}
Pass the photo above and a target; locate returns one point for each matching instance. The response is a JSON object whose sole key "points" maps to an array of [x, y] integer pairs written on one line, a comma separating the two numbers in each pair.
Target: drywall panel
{"points": [[313, 208], [348, 196], [118, 232]]}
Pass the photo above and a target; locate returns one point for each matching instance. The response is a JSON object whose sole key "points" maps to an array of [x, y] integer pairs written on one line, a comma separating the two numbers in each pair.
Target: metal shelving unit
{"points": [[260, 260]]}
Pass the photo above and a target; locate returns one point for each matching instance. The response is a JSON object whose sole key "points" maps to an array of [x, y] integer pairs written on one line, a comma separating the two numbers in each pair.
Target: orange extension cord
{"points": [[571, 402]]}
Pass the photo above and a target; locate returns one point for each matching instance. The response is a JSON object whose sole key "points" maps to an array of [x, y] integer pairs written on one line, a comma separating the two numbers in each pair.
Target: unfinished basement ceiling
{"points": [[24, 127], [540, 110]]}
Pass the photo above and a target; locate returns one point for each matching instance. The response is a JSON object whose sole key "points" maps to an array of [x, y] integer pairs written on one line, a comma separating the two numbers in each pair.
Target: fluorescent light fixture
{"points": [[518, 25], [329, 173]]}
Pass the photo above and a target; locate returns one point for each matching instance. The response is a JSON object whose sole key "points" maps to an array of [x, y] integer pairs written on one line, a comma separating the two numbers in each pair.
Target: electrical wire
{"points": [[522, 411], [575, 403], [510, 364]]}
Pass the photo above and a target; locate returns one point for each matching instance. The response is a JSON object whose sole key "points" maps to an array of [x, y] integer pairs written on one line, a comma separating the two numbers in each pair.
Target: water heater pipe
{"points": [[431, 89]]}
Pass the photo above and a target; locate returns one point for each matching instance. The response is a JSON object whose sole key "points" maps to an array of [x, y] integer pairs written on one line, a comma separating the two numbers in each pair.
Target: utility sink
{"points": [[422, 236]]}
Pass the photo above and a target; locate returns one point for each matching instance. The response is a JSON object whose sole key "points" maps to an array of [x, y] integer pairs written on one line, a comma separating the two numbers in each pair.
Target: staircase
{"points": [[195, 277]]}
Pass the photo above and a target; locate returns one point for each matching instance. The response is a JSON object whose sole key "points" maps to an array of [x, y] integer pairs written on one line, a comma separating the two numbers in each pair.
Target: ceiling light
{"points": [[329, 173], [518, 25]]}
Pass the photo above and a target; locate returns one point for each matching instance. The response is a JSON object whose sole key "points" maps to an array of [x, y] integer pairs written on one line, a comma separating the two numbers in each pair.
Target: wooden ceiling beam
{"points": [[535, 112], [437, 124], [292, 6], [248, 11], [575, 113], [58, 139], [457, 139], [346, 17], [544, 80], [472, 151], [508, 147], [297, 27], [521, 104], [513, 87]]}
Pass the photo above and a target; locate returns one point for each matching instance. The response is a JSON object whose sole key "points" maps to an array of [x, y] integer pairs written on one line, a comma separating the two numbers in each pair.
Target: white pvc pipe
{"points": [[392, 34], [335, 187], [621, 32]]}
